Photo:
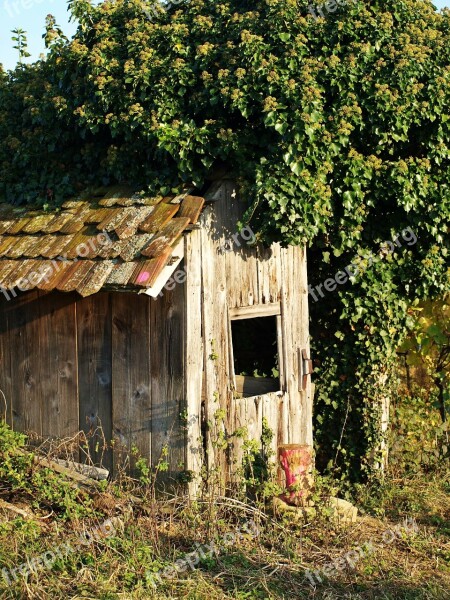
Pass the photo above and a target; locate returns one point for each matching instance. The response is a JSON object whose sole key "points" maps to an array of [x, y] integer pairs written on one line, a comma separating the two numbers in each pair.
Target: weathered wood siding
{"points": [[113, 360], [158, 374], [234, 276]]}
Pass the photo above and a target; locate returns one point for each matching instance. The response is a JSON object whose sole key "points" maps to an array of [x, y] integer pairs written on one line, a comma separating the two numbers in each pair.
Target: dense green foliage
{"points": [[428, 346], [339, 129]]}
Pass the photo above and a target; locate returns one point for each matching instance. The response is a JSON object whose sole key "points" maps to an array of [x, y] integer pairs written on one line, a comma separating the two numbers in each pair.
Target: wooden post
{"points": [[296, 462]]}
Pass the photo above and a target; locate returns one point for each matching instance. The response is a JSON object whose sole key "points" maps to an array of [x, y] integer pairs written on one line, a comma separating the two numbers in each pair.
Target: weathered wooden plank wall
{"points": [[158, 373], [57, 361], [111, 360], [131, 379], [194, 358], [236, 276], [94, 348], [167, 377], [5, 365]]}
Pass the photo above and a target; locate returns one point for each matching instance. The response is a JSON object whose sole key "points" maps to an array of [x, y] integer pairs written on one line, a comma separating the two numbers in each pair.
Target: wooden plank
{"points": [[147, 272], [159, 217], [74, 204], [297, 418], [115, 194], [56, 269], [76, 223], [280, 436], [8, 243], [269, 277], [128, 226], [5, 225], [58, 372], [6, 397], [231, 359], [191, 207], [255, 386], [269, 269], [58, 222], [78, 479], [6, 268], [164, 276], [270, 410], [75, 275], [251, 312], [166, 237], [193, 358], [95, 374], [113, 218], [96, 215], [289, 350], [37, 223], [96, 277], [216, 343], [39, 247], [249, 279], [248, 416], [131, 249], [121, 273], [55, 247], [18, 225], [30, 274], [241, 261], [167, 325], [131, 383], [281, 354], [238, 419], [26, 352]]}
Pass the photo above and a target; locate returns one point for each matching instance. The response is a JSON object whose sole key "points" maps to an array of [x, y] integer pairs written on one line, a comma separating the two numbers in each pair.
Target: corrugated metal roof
{"points": [[108, 239]]}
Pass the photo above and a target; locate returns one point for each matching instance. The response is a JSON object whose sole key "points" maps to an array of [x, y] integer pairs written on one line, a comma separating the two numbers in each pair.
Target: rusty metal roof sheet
{"points": [[108, 238]]}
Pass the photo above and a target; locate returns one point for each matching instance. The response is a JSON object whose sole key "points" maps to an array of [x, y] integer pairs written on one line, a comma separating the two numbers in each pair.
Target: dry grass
{"points": [[271, 565]]}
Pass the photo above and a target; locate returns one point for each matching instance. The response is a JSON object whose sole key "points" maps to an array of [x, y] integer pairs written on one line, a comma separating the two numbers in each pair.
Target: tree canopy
{"points": [[337, 127]]}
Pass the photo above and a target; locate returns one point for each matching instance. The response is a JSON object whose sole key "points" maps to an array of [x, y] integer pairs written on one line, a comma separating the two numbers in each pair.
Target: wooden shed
{"points": [[155, 319]]}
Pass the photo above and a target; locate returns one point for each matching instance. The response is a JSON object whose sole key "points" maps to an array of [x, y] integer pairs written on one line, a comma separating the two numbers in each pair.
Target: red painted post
{"points": [[296, 462]]}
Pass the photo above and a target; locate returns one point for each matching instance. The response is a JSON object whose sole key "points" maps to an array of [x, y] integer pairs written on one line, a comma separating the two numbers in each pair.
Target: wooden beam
{"points": [[257, 310], [193, 360], [256, 386]]}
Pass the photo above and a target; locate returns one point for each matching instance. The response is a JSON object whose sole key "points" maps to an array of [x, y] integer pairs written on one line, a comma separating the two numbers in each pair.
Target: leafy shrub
{"points": [[15, 463], [419, 439]]}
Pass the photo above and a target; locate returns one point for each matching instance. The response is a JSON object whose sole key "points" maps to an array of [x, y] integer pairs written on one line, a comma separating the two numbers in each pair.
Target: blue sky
{"points": [[30, 16]]}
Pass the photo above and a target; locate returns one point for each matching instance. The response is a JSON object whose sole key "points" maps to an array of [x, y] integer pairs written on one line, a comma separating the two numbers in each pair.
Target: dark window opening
{"points": [[255, 355]]}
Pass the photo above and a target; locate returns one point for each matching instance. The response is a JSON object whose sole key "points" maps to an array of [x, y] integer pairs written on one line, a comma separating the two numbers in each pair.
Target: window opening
{"points": [[255, 355]]}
